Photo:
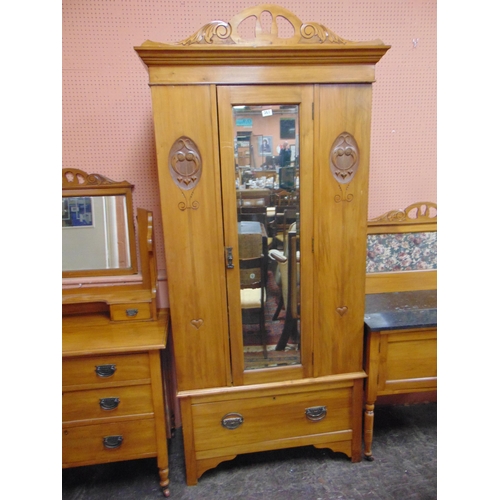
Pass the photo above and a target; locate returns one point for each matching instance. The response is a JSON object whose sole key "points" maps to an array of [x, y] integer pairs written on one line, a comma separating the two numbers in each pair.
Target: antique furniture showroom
{"points": [[263, 152]]}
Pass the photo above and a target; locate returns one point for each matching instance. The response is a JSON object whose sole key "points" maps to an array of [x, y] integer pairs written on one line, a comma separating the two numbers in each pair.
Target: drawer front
{"points": [[85, 444], [101, 370], [130, 312], [107, 403], [411, 360], [271, 418]]}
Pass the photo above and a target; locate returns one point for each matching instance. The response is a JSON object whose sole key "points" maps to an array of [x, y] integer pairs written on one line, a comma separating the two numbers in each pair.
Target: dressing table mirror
{"points": [[99, 257], [98, 237]]}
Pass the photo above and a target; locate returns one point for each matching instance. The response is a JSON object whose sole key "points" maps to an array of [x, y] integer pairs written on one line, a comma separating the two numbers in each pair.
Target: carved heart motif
{"points": [[344, 159], [342, 310], [197, 323]]}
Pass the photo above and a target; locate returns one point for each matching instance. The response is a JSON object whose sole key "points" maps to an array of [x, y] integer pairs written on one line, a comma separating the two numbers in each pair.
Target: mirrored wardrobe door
{"points": [[266, 158]]}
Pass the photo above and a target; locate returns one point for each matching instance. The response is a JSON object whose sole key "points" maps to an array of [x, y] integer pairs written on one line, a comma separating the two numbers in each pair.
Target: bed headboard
{"points": [[402, 250]]}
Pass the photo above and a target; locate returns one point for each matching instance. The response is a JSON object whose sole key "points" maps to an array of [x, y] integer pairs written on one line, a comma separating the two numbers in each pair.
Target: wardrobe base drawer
{"points": [[237, 424], [92, 444]]}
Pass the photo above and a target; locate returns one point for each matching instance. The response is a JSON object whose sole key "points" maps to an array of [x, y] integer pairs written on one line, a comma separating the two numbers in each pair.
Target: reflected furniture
{"points": [[290, 280], [400, 319], [114, 404], [253, 280], [254, 197], [228, 408], [284, 216]]}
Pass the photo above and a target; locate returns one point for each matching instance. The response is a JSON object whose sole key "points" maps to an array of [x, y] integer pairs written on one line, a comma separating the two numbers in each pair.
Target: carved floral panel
{"points": [[185, 163]]}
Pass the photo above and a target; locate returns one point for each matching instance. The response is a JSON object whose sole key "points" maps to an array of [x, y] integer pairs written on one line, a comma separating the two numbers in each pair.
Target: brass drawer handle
{"points": [[109, 403], [105, 370], [232, 421], [131, 312], [316, 413], [112, 442]]}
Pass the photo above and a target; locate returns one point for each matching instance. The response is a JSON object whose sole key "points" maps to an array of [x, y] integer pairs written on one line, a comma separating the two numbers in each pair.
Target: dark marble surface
{"points": [[405, 467], [400, 310]]}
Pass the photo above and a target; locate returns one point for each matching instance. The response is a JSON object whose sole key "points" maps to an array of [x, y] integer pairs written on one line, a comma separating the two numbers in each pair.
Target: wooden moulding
{"points": [[220, 43], [416, 218]]}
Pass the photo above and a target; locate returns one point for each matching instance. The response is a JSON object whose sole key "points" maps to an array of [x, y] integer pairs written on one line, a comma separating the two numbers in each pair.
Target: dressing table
{"points": [[113, 337]]}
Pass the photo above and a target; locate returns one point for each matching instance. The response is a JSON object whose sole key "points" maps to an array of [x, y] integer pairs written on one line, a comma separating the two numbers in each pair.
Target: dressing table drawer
{"points": [[131, 312], [112, 402], [108, 442], [95, 371]]}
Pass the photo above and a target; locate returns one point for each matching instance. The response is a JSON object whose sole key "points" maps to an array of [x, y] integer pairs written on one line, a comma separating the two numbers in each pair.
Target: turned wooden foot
{"points": [[368, 435], [164, 482]]}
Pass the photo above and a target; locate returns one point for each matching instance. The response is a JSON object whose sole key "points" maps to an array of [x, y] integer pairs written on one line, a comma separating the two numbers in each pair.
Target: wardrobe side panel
{"points": [[193, 237], [340, 225]]}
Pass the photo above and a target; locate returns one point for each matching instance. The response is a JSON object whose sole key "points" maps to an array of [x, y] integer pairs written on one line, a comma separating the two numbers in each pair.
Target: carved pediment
{"points": [[74, 178], [220, 32], [421, 212]]}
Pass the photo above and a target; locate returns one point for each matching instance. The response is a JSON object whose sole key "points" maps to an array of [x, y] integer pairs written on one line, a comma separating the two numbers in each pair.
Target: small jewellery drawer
{"points": [[108, 442], [107, 403], [130, 312], [101, 370], [269, 418]]}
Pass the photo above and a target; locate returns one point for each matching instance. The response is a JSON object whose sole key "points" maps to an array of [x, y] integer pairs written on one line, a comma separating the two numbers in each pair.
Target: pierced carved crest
{"points": [[423, 211], [76, 178], [220, 32], [344, 162]]}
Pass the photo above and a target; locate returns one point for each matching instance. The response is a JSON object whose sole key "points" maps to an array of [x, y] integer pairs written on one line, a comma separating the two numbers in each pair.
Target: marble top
{"points": [[400, 310]]}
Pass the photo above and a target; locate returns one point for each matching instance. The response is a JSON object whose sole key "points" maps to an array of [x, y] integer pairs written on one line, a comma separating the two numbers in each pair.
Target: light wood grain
{"points": [[340, 231], [194, 245], [80, 406], [136, 380], [397, 362], [405, 281], [194, 85]]}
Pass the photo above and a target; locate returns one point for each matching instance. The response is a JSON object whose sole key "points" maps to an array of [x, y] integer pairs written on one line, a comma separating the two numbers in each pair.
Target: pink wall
{"points": [[107, 117]]}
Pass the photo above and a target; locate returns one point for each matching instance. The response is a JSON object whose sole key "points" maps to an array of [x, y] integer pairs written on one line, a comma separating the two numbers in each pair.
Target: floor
{"points": [[405, 467]]}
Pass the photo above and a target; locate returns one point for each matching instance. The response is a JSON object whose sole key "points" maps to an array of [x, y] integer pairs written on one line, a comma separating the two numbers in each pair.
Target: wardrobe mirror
{"points": [[266, 153]]}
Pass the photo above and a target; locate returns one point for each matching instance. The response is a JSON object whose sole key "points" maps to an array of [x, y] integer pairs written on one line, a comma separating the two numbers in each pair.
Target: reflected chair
{"points": [[258, 214], [253, 280], [284, 216]]}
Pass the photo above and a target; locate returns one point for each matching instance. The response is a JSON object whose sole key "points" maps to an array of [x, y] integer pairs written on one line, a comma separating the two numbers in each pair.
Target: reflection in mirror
{"points": [[266, 152], [95, 233], [98, 237]]}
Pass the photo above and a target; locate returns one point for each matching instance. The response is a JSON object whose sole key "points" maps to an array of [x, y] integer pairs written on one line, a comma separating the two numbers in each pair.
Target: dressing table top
{"points": [[91, 334]]}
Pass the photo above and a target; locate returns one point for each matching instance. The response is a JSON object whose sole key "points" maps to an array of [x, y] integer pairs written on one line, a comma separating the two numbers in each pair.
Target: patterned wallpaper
{"points": [[107, 117]]}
